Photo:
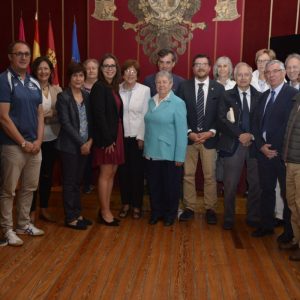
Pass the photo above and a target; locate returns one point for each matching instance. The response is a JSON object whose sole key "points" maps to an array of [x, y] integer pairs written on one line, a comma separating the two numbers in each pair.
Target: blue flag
{"points": [[75, 49]]}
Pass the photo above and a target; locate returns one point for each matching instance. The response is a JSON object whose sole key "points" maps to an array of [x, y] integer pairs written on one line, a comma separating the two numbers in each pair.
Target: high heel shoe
{"points": [[104, 222]]}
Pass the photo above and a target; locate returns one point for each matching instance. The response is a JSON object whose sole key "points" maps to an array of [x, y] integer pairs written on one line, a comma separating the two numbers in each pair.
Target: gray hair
{"points": [[225, 60], [290, 56], [240, 64], [95, 61], [164, 74], [275, 61]]}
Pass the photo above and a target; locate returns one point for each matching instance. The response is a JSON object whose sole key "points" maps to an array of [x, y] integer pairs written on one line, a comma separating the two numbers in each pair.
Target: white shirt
{"points": [[135, 106], [205, 89], [248, 96], [50, 130], [260, 85], [229, 84]]}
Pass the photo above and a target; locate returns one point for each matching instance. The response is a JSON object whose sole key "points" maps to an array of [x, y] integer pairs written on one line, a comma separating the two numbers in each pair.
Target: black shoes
{"points": [[169, 222], [113, 223], [261, 232], [85, 221], [79, 225], [288, 246], [153, 220], [211, 217], [254, 224], [284, 238], [186, 215], [228, 225]]}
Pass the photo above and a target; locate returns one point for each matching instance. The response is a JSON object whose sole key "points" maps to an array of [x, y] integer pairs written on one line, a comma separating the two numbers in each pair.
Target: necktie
{"points": [[267, 112], [200, 107], [245, 114]]}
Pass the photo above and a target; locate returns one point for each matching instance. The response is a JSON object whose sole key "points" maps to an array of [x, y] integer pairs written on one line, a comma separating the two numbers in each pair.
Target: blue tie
{"points": [[268, 112], [245, 115], [200, 107]]}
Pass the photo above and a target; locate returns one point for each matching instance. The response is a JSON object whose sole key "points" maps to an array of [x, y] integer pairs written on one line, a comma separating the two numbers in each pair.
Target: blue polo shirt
{"points": [[24, 98]]}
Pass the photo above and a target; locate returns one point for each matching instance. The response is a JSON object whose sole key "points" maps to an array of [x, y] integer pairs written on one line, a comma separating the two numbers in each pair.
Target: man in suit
{"points": [[292, 66], [201, 96], [236, 144], [269, 124], [167, 59]]}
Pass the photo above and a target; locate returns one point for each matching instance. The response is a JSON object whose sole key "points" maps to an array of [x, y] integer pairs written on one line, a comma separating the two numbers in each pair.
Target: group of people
{"points": [[106, 120]]}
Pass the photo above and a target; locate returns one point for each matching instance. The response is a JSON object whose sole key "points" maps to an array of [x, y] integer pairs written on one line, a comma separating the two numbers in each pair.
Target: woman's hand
{"points": [[110, 149], [140, 144], [85, 149]]}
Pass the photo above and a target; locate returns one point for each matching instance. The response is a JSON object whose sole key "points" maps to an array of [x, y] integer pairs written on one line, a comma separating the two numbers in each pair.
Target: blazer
{"points": [[186, 91], [69, 139], [278, 118], [165, 130], [105, 115], [230, 132]]}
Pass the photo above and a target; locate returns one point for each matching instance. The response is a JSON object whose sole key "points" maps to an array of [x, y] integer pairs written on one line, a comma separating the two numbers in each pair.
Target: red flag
{"points": [[36, 43], [52, 54], [21, 30]]}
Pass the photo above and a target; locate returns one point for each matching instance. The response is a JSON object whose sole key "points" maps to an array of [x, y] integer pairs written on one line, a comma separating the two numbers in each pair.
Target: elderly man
{"points": [[291, 156], [22, 125], [292, 66], [270, 122], [236, 146], [167, 59], [201, 96]]}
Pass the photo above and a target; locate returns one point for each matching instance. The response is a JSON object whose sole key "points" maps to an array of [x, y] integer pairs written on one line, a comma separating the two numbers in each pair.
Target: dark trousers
{"points": [[131, 174], [164, 185], [88, 173], [72, 170], [49, 156], [269, 171]]}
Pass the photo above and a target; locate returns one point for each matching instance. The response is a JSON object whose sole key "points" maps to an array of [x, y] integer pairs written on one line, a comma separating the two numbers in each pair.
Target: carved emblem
{"points": [[163, 24], [104, 10], [226, 10]]}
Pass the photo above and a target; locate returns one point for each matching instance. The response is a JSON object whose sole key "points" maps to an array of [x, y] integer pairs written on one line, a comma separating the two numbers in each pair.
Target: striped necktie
{"points": [[200, 107]]}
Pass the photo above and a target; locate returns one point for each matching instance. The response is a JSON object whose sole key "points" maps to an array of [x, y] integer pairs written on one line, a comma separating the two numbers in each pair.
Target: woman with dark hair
{"points": [[42, 70], [107, 113], [74, 143], [135, 97]]}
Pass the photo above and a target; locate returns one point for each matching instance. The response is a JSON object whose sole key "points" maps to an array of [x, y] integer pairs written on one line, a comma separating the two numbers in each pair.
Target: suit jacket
{"points": [[105, 115], [230, 132], [69, 139], [278, 118], [186, 91], [165, 130]]}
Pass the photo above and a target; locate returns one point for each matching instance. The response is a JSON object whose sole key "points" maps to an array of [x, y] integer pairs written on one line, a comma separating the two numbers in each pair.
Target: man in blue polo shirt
{"points": [[22, 126]]}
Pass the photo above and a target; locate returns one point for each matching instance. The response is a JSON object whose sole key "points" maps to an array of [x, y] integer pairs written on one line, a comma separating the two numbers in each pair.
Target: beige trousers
{"points": [[208, 161], [15, 165], [293, 197]]}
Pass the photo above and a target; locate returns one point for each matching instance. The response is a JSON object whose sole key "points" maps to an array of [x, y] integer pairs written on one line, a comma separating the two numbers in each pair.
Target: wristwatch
{"points": [[23, 145]]}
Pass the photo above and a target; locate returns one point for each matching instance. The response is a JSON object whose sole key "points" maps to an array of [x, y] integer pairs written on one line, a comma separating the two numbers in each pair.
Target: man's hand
{"points": [[36, 147], [265, 149], [245, 139], [203, 136]]}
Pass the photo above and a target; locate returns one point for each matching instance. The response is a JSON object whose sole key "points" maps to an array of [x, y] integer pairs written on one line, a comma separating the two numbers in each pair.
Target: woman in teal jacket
{"points": [[165, 143]]}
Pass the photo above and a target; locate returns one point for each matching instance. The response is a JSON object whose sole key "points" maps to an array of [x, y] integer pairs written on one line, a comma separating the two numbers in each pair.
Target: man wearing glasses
{"points": [[22, 125], [201, 96], [269, 124], [166, 61]]}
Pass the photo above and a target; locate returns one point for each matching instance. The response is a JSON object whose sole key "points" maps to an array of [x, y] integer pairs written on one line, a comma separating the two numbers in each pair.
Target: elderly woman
{"points": [[258, 81], [165, 143], [223, 72], [107, 114], [42, 69], [135, 97], [74, 143]]}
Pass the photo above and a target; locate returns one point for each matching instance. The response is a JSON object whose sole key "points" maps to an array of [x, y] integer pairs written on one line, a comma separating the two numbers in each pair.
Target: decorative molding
{"points": [[226, 10], [104, 10]]}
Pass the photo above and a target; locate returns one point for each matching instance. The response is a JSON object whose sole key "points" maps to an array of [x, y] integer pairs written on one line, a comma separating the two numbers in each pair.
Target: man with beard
{"points": [[201, 96]]}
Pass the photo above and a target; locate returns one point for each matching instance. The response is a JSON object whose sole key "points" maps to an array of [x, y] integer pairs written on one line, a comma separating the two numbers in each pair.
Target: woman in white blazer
{"points": [[135, 97]]}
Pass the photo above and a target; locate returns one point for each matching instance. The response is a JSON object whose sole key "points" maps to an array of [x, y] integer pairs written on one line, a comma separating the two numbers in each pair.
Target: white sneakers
{"points": [[30, 229], [12, 238]]}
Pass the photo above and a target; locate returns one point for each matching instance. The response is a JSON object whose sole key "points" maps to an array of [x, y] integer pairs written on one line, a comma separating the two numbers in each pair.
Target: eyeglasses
{"points": [[197, 65], [273, 72], [109, 66], [20, 54], [131, 71], [261, 61]]}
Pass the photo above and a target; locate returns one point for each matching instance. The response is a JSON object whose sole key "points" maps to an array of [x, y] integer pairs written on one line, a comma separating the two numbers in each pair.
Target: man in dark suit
{"points": [[270, 122], [201, 96], [166, 61], [236, 144]]}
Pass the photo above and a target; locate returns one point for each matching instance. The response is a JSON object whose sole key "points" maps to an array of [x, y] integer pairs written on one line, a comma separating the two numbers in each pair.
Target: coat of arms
{"points": [[163, 24]]}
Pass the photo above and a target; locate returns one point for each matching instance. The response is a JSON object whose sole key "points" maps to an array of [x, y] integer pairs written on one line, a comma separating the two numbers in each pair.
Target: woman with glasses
{"points": [[258, 81], [135, 97], [107, 114], [223, 72]]}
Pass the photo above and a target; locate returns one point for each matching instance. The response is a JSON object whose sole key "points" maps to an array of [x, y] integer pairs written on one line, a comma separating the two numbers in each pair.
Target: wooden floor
{"points": [[139, 261]]}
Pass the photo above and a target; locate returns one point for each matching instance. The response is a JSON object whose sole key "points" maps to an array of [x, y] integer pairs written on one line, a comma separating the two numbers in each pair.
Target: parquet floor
{"points": [[139, 261]]}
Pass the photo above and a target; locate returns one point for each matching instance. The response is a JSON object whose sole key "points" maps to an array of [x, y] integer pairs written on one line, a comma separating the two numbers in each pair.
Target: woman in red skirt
{"points": [[108, 152]]}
